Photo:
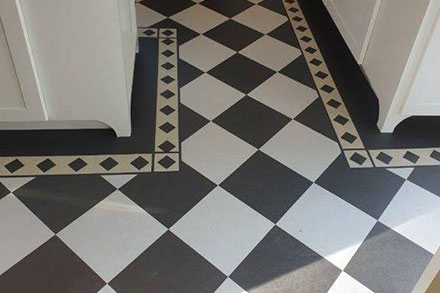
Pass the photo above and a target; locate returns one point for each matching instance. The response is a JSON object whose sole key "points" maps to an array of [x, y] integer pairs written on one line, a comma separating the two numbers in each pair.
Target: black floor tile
{"points": [[427, 178], [285, 33], [187, 73], [252, 121], [241, 73], [299, 71], [190, 122], [59, 200], [167, 7], [51, 268], [168, 265], [370, 189], [315, 117], [267, 186], [233, 35], [227, 8], [274, 5], [280, 263], [168, 196], [3, 191], [387, 262]]}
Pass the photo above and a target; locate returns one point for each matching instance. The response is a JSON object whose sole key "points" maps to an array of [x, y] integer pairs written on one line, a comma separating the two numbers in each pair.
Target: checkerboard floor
{"points": [[264, 200]]}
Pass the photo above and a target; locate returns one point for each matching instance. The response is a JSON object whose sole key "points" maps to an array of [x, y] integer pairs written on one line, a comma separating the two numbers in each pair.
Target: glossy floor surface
{"points": [[264, 200]]}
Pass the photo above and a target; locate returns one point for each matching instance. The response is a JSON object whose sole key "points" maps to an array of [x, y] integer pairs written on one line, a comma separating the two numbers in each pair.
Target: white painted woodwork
{"points": [[83, 53], [20, 92], [355, 20], [402, 58], [424, 95]]}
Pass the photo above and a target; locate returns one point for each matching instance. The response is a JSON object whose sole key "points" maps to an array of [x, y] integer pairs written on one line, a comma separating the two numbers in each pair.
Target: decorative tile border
{"points": [[406, 157], [166, 157], [358, 159], [143, 32], [344, 127], [69, 165], [167, 134], [349, 139]]}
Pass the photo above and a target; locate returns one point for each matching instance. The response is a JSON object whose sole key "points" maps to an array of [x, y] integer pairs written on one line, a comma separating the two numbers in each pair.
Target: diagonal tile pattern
{"points": [[264, 200]]}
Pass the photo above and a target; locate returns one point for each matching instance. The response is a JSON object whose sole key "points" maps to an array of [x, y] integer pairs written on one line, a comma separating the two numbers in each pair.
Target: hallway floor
{"points": [[266, 198]]}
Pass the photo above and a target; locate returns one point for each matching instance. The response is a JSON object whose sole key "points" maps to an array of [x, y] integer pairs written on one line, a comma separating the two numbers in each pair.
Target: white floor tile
{"points": [[327, 224], [263, 50], [208, 96], [302, 149], [415, 213], [118, 180], [146, 17], [204, 53], [229, 286], [107, 289], [346, 284], [112, 234], [199, 18], [21, 232], [284, 95], [14, 183], [402, 172], [260, 19], [222, 229], [215, 153]]}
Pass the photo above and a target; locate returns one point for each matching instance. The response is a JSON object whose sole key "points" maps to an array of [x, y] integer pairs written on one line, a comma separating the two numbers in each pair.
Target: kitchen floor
{"points": [[266, 198]]}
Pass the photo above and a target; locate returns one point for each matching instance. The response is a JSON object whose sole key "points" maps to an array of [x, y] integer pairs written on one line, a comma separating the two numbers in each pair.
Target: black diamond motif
{"points": [[139, 163], [109, 163], [333, 103], [413, 158], [310, 50], [293, 9], [435, 155], [168, 42], [384, 158], [340, 119], [14, 165], [167, 110], [167, 32], [290, 1], [167, 79], [77, 165], [167, 66], [349, 137], [297, 18], [149, 32], [321, 75], [167, 94], [301, 28], [315, 62], [306, 39], [46, 165], [328, 89], [167, 53], [358, 158], [166, 162], [167, 127], [167, 146]]}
